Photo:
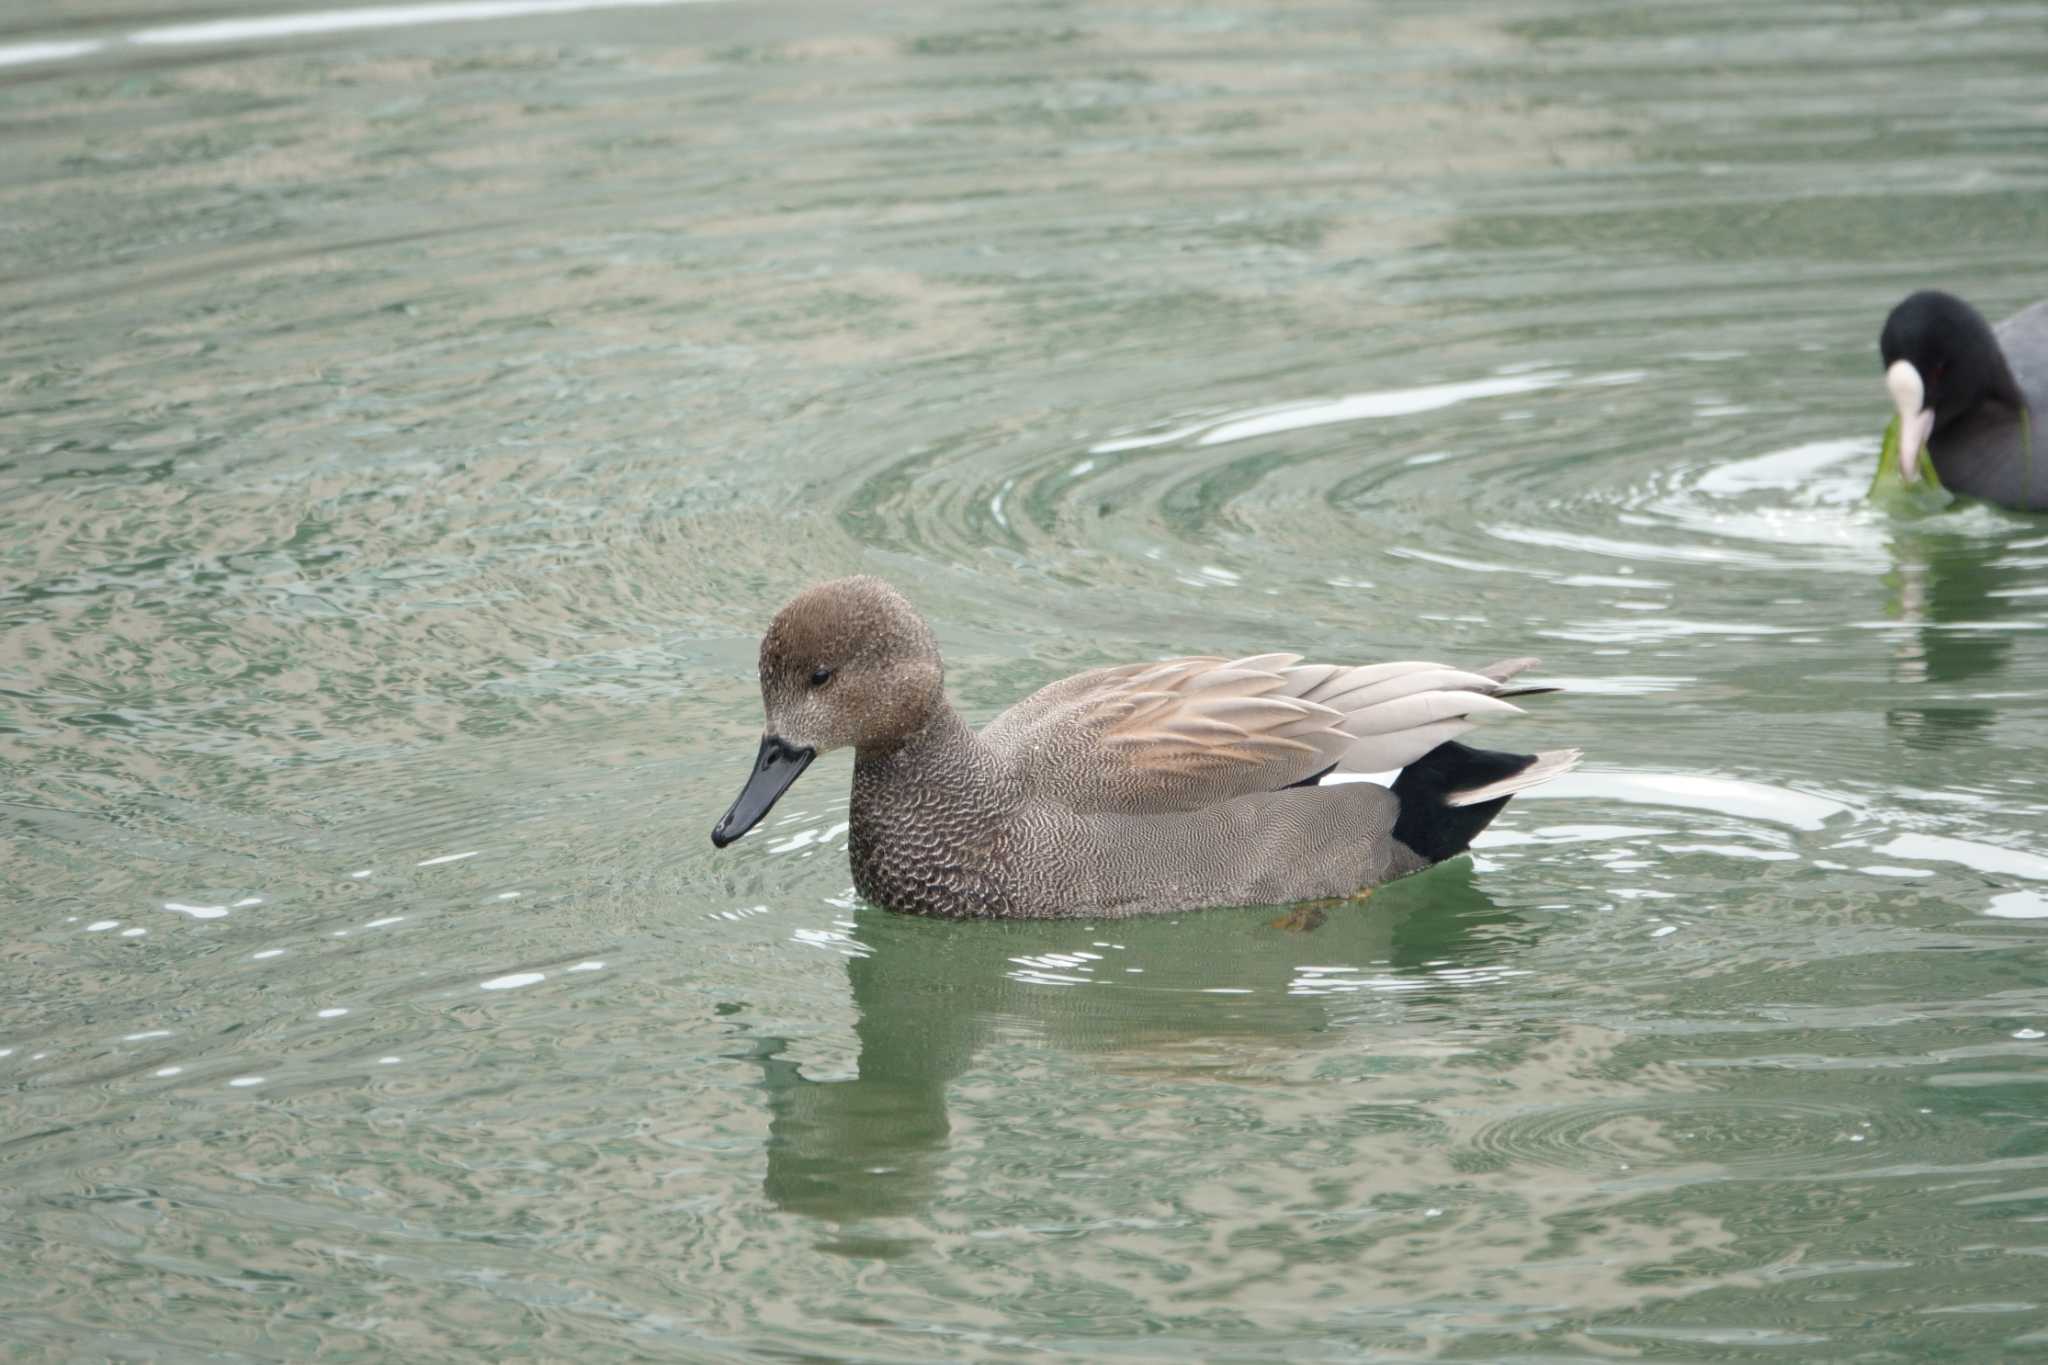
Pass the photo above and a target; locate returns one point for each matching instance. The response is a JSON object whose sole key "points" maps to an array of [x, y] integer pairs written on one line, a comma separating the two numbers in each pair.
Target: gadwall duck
{"points": [[1970, 395], [1143, 789]]}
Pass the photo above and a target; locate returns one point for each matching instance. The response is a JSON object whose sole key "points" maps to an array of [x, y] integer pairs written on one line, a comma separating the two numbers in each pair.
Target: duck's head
{"points": [[1940, 361], [844, 663]]}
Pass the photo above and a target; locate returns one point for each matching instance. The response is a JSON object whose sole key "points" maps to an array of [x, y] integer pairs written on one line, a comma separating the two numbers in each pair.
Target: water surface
{"points": [[407, 428]]}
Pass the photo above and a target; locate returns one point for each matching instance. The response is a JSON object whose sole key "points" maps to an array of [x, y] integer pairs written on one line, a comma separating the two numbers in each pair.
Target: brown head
{"points": [[845, 663]]}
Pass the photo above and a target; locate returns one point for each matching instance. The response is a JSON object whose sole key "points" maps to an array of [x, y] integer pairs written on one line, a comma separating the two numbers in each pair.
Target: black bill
{"points": [[775, 767]]}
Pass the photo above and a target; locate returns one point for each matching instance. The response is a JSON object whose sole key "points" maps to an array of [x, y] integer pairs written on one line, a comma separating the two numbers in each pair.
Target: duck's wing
{"points": [[1182, 734]]}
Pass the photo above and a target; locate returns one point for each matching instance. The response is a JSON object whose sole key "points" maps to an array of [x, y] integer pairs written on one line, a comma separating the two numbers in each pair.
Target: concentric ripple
{"points": [[1725, 1135]]}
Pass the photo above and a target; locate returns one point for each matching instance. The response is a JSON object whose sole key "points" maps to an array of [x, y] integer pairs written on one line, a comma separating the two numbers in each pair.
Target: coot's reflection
{"points": [[1944, 584], [929, 994]]}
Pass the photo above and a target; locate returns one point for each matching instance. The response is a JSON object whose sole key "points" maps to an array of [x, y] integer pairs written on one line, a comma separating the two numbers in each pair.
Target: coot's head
{"points": [[1940, 362]]}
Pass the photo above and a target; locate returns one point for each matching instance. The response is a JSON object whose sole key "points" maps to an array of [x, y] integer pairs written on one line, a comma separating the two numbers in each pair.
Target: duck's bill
{"points": [[777, 765]]}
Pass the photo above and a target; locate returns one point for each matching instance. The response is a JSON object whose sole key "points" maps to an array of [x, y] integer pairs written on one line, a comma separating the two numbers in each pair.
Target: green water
{"points": [[406, 432]]}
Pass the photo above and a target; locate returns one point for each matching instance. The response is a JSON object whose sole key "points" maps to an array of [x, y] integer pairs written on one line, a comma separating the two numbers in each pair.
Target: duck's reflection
{"points": [[1944, 584], [929, 994]]}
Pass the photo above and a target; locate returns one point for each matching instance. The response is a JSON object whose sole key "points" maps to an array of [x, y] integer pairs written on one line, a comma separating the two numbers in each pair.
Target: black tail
{"points": [[1431, 821]]}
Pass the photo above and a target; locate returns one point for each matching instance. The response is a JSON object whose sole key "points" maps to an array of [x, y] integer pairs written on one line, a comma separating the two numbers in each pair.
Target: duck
{"points": [[1970, 396], [1140, 789]]}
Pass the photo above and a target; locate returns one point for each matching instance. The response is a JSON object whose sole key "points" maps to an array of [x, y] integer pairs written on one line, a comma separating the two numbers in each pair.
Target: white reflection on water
{"points": [[1265, 421], [317, 22], [377, 16], [744, 912], [20, 54], [832, 940], [1563, 834], [1723, 795], [1346, 981], [1666, 552], [513, 981], [196, 911], [1055, 968], [1795, 467], [804, 838], [2018, 905], [1386, 403], [1936, 848], [447, 858]]}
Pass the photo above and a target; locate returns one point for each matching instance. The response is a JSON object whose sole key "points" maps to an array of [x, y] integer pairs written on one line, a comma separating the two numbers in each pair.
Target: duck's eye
{"points": [[820, 676]]}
